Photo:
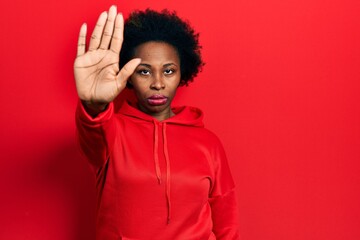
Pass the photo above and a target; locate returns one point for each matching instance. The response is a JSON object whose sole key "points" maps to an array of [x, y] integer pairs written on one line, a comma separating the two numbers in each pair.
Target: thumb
{"points": [[128, 70]]}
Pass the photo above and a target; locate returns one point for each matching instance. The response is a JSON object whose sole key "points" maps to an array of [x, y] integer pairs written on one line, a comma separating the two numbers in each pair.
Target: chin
{"points": [[157, 109]]}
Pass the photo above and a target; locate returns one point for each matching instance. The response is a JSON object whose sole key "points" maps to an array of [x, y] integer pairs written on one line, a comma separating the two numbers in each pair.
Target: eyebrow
{"points": [[169, 64], [149, 66]]}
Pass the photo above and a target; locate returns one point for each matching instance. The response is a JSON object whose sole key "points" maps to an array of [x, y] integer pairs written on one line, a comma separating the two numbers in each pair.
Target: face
{"points": [[156, 78]]}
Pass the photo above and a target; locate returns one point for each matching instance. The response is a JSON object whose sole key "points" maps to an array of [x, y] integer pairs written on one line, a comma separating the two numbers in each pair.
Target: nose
{"points": [[157, 82]]}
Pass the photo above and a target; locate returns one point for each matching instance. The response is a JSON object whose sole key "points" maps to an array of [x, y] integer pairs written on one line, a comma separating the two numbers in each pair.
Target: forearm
{"points": [[95, 134]]}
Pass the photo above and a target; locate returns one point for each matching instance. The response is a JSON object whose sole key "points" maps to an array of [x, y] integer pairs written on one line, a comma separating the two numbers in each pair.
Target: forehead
{"points": [[156, 53]]}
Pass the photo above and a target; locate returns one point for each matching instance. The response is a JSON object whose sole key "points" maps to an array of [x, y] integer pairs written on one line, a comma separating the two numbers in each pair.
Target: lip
{"points": [[157, 99]]}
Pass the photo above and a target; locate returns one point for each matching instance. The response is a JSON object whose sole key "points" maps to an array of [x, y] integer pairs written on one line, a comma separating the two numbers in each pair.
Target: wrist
{"points": [[94, 108]]}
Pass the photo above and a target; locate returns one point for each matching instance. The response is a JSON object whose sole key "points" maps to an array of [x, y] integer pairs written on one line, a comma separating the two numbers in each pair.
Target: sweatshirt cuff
{"points": [[100, 118]]}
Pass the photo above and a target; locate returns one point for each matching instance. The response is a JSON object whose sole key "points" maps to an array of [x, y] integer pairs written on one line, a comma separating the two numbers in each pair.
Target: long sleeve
{"points": [[223, 200], [225, 218], [95, 135]]}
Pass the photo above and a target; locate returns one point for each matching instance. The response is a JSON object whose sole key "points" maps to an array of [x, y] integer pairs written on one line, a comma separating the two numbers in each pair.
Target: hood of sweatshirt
{"points": [[185, 116]]}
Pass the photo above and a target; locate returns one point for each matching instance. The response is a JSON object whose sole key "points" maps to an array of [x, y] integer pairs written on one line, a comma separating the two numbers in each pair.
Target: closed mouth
{"points": [[157, 99]]}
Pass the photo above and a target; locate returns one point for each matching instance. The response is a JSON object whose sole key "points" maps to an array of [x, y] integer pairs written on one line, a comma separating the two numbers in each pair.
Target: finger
{"points": [[82, 40], [127, 70], [117, 38], [109, 28], [97, 33]]}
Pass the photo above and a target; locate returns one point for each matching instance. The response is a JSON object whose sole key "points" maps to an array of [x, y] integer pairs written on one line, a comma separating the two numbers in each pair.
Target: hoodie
{"points": [[161, 180]]}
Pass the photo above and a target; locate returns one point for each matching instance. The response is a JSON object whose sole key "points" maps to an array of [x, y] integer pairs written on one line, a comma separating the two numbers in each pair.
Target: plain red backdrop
{"points": [[280, 88]]}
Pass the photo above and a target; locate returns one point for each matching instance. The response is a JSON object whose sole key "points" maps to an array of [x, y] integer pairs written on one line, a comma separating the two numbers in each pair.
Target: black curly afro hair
{"points": [[164, 26]]}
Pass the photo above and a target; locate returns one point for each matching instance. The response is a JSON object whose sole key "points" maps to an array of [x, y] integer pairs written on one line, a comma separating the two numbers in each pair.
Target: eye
{"points": [[143, 72], [169, 71]]}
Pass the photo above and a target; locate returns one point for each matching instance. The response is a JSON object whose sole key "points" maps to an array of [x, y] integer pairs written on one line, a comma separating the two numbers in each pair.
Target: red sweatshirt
{"points": [[161, 180]]}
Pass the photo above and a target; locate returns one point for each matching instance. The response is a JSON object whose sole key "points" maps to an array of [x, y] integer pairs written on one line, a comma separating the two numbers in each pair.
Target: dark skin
{"points": [[157, 74], [154, 71]]}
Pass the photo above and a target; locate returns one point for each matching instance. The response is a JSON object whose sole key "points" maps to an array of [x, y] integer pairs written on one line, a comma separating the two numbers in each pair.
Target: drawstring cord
{"points": [[157, 165], [166, 153], [156, 154]]}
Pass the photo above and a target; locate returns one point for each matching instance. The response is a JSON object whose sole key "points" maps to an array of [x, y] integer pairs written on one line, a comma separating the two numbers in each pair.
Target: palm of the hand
{"points": [[96, 74]]}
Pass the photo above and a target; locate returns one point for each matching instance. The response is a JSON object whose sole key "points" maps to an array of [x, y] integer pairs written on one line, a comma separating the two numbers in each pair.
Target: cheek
{"points": [[137, 82], [140, 87], [173, 89]]}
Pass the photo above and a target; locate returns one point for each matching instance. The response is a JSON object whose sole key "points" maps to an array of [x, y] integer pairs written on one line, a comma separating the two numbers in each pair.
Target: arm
{"points": [[223, 199], [98, 82], [225, 216], [97, 76], [95, 135]]}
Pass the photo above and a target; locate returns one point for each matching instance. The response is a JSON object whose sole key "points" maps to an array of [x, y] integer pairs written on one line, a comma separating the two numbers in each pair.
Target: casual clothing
{"points": [[161, 180]]}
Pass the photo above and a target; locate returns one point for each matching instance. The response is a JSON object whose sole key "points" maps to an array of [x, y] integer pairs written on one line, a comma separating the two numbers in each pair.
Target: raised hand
{"points": [[97, 75]]}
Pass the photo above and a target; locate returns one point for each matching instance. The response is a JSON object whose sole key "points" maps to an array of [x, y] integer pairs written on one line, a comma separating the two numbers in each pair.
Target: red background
{"points": [[280, 88]]}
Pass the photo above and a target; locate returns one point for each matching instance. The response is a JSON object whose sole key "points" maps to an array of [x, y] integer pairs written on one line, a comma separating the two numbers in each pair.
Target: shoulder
{"points": [[211, 136]]}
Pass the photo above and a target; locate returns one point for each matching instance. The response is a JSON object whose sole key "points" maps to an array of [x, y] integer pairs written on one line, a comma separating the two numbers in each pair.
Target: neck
{"points": [[160, 116], [163, 115]]}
